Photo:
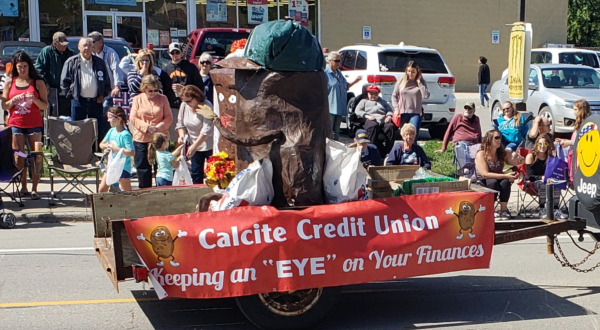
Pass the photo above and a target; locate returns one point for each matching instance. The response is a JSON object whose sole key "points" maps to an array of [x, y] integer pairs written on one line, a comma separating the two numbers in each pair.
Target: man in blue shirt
{"points": [[370, 154], [337, 86]]}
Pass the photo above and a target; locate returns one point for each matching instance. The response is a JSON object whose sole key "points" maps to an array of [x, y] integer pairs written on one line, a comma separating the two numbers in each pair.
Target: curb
{"points": [[54, 217]]}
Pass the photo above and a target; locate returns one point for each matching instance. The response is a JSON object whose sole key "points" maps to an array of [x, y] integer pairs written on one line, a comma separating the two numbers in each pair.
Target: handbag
{"points": [[396, 115], [556, 170]]}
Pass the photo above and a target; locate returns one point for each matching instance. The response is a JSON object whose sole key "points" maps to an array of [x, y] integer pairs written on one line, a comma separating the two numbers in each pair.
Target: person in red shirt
{"points": [[23, 96], [464, 128]]}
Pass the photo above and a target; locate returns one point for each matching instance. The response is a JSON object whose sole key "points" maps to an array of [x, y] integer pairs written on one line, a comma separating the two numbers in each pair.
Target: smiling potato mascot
{"points": [[163, 244], [585, 161]]}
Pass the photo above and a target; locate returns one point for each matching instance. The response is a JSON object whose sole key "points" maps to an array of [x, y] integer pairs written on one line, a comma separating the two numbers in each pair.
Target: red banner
{"points": [[250, 250]]}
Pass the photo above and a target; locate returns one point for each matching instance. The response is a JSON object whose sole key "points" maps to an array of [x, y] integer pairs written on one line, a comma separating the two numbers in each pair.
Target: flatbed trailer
{"points": [[296, 308]]}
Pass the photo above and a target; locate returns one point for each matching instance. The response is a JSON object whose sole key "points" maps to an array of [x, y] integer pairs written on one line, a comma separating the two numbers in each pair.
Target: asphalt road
{"points": [[51, 279]]}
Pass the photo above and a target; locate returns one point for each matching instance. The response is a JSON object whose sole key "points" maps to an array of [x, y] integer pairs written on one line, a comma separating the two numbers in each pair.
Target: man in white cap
{"points": [[182, 73], [49, 65]]}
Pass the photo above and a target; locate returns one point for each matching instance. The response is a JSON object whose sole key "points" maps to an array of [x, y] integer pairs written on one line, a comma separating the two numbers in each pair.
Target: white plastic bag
{"points": [[252, 186], [115, 166], [182, 176], [345, 178]]}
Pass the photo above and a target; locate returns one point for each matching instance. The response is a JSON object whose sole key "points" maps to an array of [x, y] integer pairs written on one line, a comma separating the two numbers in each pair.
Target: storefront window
{"points": [[14, 20], [301, 11], [166, 22], [221, 13]]}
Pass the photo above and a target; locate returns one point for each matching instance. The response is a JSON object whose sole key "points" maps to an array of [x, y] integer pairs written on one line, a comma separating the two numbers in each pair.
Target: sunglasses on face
{"points": [[497, 137], [153, 90], [145, 61], [542, 144], [175, 52], [373, 93], [507, 108], [336, 61], [205, 62]]}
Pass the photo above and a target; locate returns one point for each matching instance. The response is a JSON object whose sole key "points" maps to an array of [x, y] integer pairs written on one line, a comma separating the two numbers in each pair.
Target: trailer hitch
{"points": [[562, 259]]}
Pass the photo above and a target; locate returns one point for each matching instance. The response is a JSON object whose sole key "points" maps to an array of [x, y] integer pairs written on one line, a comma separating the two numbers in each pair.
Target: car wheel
{"points": [[351, 129], [496, 110], [437, 131], [547, 113]]}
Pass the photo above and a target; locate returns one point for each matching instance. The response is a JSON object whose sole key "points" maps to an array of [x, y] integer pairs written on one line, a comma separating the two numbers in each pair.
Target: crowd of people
{"points": [[86, 84], [168, 98]]}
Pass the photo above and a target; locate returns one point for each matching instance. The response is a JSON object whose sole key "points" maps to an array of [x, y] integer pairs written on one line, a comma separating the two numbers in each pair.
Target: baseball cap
{"points": [[361, 136], [373, 88], [470, 105], [61, 38], [174, 46]]}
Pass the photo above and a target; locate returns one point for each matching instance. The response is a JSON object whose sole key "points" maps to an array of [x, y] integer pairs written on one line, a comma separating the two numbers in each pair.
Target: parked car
{"points": [[384, 65], [557, 55], [119, 45], [215, 41], [553, 88], [8, 48]]}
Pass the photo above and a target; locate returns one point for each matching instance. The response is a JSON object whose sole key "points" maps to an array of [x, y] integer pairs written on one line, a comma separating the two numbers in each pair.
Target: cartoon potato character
{"points": [[587, 149], [466, 217], [163, 244]]}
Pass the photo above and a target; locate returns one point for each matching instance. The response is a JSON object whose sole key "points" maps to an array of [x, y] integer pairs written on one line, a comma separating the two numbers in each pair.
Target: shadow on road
{"points": [[411, 303]]}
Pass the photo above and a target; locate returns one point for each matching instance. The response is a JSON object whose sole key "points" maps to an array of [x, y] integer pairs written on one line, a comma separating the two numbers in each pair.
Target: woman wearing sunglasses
{"points": [[150, 113], [535, 163], [512, 126], [144, 66], [205, 64], [489, 167]]}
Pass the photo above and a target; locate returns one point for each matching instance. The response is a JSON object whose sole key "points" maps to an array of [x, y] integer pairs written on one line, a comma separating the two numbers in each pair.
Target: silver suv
{"points": [[384, 65]]}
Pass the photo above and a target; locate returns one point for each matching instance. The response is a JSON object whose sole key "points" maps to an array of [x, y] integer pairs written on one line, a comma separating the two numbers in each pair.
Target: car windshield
{"points": [[571, 78], [396, 62], [32, 51], [219, 43]]}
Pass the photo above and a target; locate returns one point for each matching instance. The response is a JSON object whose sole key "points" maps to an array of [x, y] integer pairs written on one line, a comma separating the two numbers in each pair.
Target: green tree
{"points": [[583, 23]]}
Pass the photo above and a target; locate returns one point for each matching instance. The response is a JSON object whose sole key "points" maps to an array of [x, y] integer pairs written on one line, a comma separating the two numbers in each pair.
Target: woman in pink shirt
{"points": [[150, 113]]}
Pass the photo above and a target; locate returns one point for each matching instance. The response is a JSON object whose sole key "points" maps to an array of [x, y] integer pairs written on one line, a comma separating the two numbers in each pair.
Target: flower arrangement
{"points": [[220, 170], [238, 44]]}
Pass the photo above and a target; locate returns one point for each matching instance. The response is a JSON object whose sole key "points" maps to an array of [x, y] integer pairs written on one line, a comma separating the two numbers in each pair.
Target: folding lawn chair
{"points": [[10, 176], [74, 159], [464, 159], [528, 189]]}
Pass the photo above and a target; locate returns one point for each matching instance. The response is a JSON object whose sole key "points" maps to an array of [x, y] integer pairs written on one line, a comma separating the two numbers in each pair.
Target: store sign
{"points": [[298, 9], [216, 11], [9, 8], [111, 2], [258, 11]]}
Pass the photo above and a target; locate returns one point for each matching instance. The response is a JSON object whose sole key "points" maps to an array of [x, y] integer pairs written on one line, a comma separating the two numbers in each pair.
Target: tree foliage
{"points": [[583, 23]]}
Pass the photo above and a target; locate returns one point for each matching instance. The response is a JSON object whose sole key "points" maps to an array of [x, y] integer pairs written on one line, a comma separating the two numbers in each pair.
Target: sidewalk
{"points": [[74, 207]]}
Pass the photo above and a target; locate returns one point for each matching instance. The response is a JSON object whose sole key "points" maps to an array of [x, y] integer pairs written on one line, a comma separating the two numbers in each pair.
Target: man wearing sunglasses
{"points": [[378, 119], [540, 126], [181, 72]]}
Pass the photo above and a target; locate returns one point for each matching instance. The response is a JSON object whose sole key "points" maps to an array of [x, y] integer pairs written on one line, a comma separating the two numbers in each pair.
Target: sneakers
{"points": [[504, 215]]}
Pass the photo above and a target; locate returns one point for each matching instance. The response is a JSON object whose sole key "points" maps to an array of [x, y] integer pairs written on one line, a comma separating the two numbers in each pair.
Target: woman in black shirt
{"points": [[535, 165]]}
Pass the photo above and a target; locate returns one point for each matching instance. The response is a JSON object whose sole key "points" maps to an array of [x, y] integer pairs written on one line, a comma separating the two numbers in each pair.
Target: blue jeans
{"points": [[163, 182], [336, 121], [197, 170], [412, 118], [482, 95]]}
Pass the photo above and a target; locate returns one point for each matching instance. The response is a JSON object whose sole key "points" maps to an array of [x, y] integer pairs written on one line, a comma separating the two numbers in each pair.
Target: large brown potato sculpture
{"points": [[280, 115]]}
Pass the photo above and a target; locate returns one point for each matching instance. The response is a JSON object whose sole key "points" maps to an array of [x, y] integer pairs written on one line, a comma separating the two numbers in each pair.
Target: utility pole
{"points": [[522, 11]]}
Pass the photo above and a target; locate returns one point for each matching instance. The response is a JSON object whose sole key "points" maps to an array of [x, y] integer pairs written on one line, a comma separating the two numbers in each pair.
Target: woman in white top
{"points": [[198, 129]]}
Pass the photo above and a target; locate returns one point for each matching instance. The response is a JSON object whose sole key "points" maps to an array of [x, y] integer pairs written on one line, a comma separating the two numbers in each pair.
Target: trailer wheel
{"points": [[294, 310]]}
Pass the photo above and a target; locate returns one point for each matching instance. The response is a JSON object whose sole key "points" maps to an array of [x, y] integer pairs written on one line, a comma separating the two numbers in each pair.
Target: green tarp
{"points": [[284, 46]]}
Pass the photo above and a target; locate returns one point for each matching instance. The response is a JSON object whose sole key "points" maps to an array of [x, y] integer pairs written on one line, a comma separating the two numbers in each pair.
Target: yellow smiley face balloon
{"points": [[588, 150]]}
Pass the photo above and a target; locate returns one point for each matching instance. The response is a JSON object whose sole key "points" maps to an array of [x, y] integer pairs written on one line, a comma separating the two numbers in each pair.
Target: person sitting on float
{"points": [[370, 154], [512, 127], [407, 152], [535, 164]]}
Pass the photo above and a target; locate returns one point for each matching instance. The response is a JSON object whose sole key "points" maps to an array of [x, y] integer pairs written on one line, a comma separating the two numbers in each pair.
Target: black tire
{"points": [[351, 129], [9, 221], [547, 112], [437, 131], [265, 312]]}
